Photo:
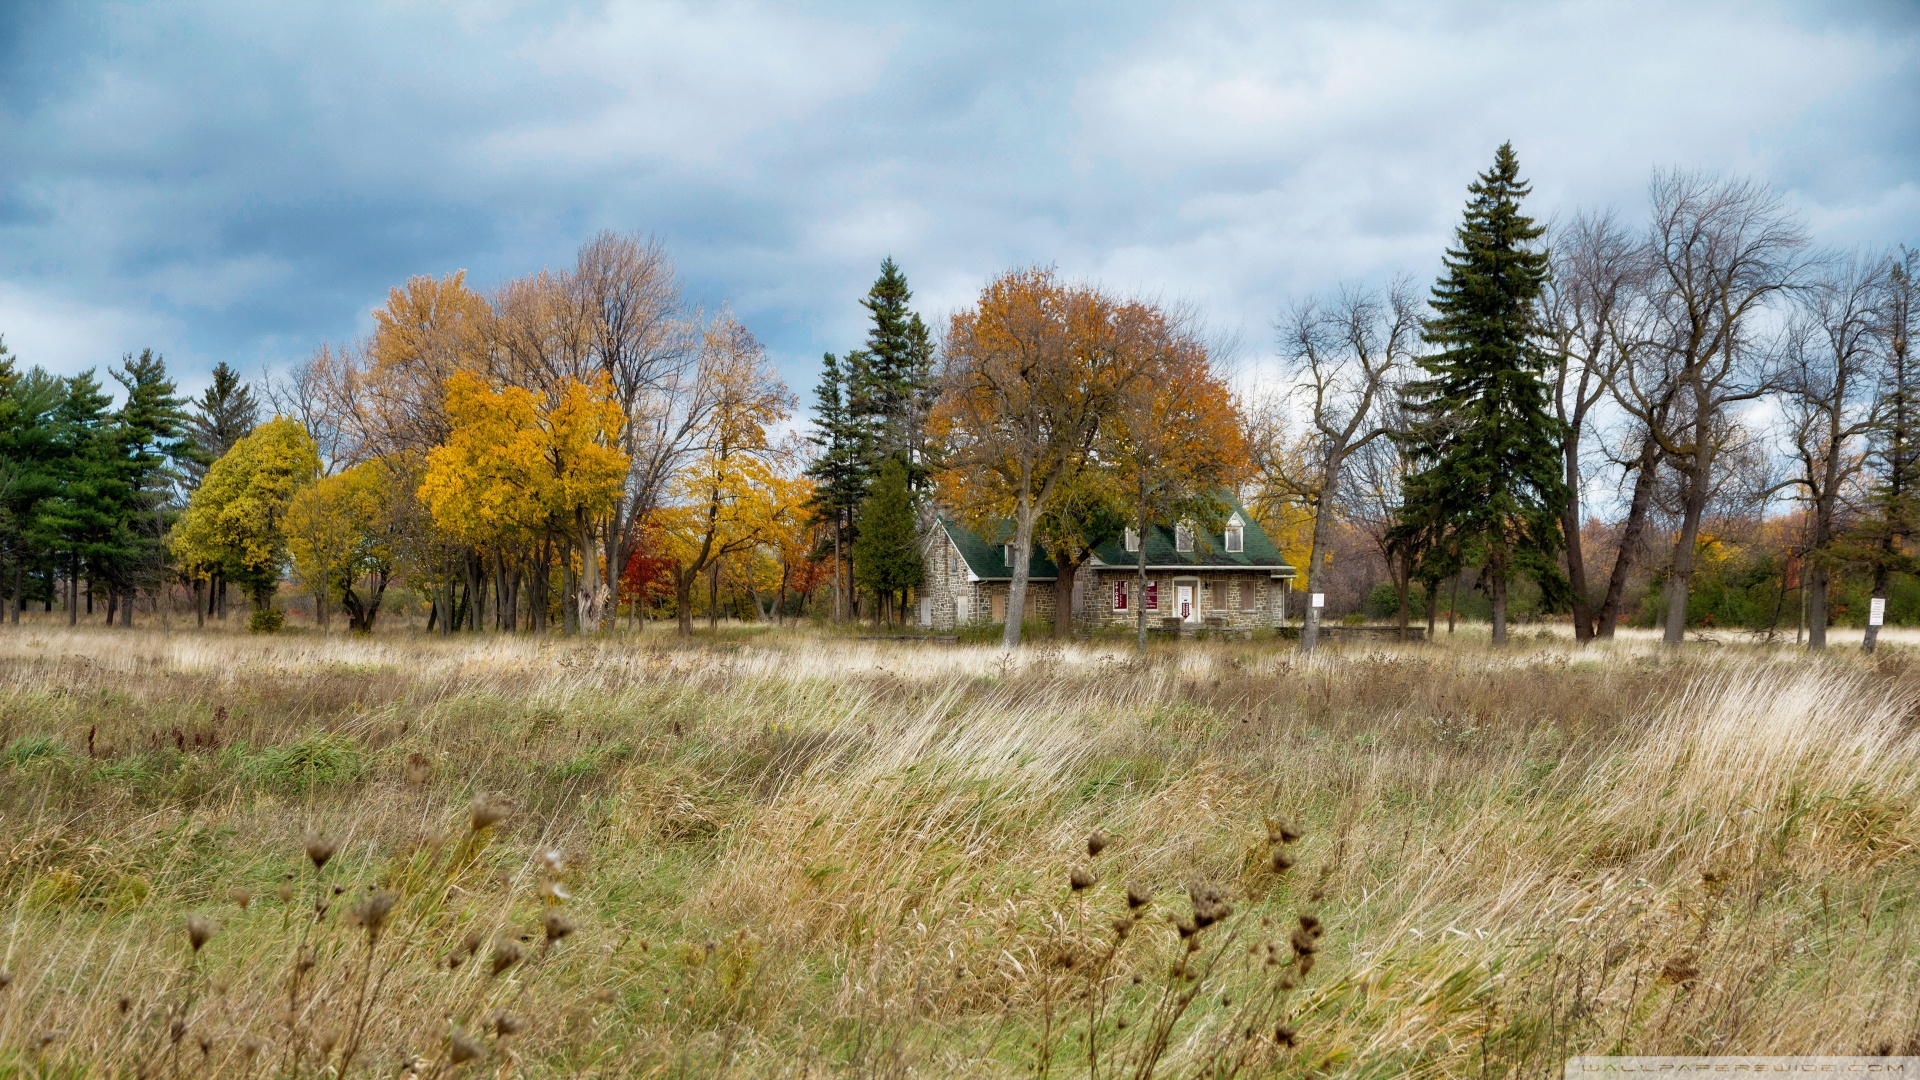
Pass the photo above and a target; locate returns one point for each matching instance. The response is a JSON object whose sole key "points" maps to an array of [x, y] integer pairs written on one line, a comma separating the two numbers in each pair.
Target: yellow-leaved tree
{"points": [[519, 465], [345, 537], [732, 497], [235, 524]]}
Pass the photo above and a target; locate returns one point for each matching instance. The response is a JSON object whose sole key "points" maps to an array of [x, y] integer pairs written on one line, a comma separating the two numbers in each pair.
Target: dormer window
{"points": [[1183, 537], [1236, 534], [1007, 554], [1133, 540]]}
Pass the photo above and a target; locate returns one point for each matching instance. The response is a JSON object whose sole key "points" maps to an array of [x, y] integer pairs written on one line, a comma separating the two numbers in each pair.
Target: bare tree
{"points": [[1830, 396], [1597, 273], [1345, 358], [1719, 253]]}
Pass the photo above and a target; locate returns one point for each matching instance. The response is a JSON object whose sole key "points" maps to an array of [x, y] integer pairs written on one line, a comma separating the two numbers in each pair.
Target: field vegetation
{"points": [[786, 853]]}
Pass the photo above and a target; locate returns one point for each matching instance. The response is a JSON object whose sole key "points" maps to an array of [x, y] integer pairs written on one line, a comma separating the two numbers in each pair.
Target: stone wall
{"points": [[1220, 598]]}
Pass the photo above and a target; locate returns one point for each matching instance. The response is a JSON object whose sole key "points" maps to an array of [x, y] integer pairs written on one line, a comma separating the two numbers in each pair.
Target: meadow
{"points": [[787, 853]]}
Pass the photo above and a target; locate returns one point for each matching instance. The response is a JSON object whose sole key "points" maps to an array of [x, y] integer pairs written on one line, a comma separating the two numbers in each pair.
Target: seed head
{"points": [[505, 1023], [1282, 862], [124, 1004], [200, 930], [1281, 832], [552, 861], [1304, 942], [557, 926], [241, 898], [462, 1048], [485, 812], [1122, 927], [605, 996], [1138, 897], [1209, 905], [1080, 879], [419, 768], [506, 953], [373, 911], [6, 979], [320, 849], [285, 893], [1097, 842], [1304, 964], [1284, 1036]]}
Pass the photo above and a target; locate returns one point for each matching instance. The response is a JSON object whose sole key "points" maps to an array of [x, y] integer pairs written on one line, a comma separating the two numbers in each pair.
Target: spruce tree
{"points": [[890, 382], [221, 417], [886, 555], [1485, 441], [839, 471]]}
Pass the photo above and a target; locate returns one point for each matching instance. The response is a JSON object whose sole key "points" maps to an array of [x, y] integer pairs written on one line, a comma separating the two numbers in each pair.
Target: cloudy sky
{"points": [[243, 181]]}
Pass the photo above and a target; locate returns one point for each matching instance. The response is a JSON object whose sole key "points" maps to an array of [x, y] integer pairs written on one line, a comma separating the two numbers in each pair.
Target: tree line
{"points": [[576, 446]]}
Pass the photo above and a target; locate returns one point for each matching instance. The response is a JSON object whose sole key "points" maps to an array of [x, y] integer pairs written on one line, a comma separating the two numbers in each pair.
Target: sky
{"points": [[242, 182]]}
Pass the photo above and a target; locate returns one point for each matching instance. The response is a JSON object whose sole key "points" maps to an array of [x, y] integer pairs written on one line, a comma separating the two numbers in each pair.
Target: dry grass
{"points": [[792, 854]]}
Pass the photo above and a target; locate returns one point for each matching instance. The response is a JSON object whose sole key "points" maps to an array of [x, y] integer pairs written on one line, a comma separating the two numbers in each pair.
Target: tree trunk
{"points": [[1322, 515], [1433, 605], [713, 596], [1872, 636], [1583, 622], [1816, 584], [592, 595], [199, 605], [1063, 596], [683, 598], [1636, 523], [1681, 570], [1017, 588], [1497, 591]]}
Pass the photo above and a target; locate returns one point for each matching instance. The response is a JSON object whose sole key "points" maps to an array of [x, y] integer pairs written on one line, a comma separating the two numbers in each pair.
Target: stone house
{"points": [[1232, 579]]}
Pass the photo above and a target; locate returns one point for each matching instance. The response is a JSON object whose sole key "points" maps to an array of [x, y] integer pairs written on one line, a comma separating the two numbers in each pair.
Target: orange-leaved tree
{"points": [[1028, 374], [1174, 437]]}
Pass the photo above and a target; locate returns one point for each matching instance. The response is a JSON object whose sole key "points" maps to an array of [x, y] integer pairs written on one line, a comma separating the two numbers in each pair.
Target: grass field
{"points": [[779, 853]]}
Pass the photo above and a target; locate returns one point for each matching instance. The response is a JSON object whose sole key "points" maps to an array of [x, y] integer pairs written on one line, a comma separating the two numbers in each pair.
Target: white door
{"points": [[926, 611], [1183, 601], [962, 610]]}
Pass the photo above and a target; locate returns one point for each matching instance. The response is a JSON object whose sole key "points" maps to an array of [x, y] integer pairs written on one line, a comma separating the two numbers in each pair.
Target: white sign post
{"points": [[1320, 600], [1877, 612]]}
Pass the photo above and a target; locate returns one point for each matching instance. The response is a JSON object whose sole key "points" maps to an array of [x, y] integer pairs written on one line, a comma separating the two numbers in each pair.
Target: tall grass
{"points": [[793, 853]]}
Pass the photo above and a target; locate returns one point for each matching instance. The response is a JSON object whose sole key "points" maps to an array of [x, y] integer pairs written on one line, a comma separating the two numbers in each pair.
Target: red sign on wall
{"points": [[1119, 596], [1153, 596]]}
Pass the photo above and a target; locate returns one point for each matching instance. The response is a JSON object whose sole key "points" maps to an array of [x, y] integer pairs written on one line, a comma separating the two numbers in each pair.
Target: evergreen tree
{"points": [[80, 519], [28, 466], [886, 555], [146, 442], [221, 417], [1485, 441], [890, 382], [839, 471]]}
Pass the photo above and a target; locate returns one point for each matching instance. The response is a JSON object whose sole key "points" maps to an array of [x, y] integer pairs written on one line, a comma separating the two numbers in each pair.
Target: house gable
{"points": [[986, 560]]}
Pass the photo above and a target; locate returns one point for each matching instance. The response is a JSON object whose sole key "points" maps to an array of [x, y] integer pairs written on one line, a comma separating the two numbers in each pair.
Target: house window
{"points": [[1007, 554], [1249, 593], [1133, 540], [1182, 537], [1236, 535], [1119, 596]]}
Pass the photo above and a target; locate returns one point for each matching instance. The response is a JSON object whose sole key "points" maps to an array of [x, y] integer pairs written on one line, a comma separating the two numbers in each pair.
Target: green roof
{"points": [[1209, 548], [987, 559]]}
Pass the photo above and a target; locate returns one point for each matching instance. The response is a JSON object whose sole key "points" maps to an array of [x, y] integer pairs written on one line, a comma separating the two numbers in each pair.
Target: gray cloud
{"points": [[240, 182]]}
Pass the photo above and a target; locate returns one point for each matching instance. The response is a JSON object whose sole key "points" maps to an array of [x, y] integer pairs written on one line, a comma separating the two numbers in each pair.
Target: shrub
{"points": [[266, 620]]}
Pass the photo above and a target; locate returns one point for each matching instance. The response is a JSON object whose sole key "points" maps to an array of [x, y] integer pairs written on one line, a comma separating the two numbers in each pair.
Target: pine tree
{"points": [[886, 555], [147, 440], [890, 382], [221, 417], [1485, 440], [839, 471]]}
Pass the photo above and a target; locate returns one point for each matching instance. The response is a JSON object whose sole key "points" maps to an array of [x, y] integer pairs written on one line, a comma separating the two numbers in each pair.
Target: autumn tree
{"points": [[517, 463], [235, 523], [727, 499], [1172, 435], [1028, 375], [345, 540]]}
